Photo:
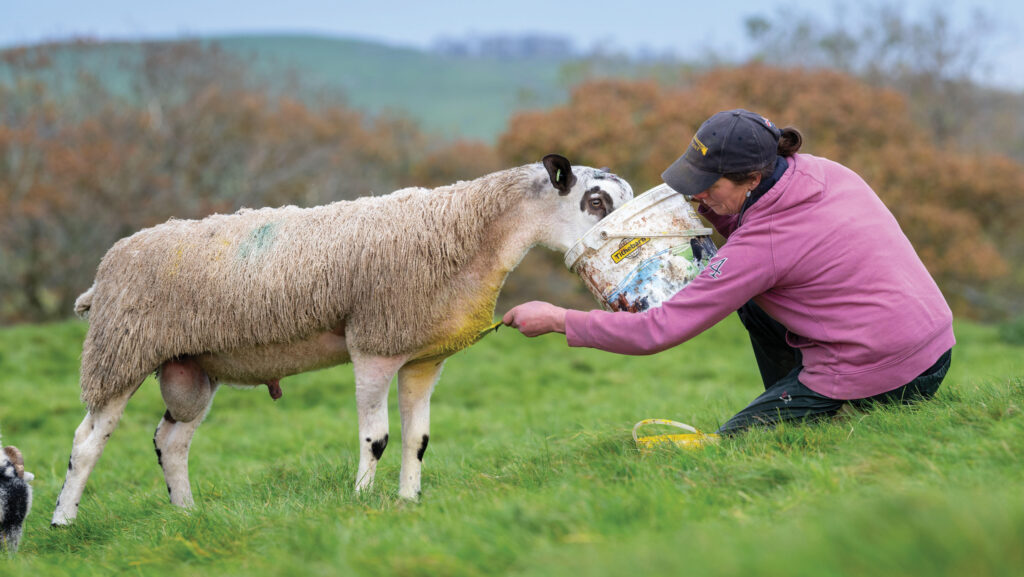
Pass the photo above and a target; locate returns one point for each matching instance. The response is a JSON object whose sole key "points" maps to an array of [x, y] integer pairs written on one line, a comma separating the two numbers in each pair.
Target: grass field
{"points": [[531, 471]]}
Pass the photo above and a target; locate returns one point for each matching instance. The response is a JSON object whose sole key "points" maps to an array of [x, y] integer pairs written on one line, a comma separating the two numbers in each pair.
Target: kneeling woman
{"points": [[839, 307]]}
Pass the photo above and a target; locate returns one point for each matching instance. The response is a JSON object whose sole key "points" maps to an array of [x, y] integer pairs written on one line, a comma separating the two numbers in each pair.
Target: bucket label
{"points": [[660, 276], [628, 248]]}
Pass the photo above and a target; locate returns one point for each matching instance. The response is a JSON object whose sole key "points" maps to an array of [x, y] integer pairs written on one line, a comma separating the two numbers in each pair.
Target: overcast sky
{"points": [[683, 27]]}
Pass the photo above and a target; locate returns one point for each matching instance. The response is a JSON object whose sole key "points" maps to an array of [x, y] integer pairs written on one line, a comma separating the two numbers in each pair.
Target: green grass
{"points": [[531, 471]]}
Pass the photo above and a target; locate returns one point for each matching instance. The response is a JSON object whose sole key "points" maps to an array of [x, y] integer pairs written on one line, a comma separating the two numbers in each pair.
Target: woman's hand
{"points": [[536, 318]]}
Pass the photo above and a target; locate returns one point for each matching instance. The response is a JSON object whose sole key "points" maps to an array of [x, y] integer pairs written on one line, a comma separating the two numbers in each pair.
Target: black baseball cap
{"points": [[731, 141]]}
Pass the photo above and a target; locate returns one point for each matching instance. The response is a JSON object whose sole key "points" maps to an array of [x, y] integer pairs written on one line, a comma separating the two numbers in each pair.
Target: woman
{"points": [[838, 305]]}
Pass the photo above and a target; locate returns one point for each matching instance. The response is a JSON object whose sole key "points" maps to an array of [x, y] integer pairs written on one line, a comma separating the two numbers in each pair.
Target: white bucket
{"points": [[644, 252]]}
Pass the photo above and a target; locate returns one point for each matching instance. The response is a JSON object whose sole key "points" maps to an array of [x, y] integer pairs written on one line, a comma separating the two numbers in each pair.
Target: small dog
{"points": [[15, 497]]}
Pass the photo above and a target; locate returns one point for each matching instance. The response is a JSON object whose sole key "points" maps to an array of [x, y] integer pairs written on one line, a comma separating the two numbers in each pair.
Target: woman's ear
{"points": [[755, 180]]}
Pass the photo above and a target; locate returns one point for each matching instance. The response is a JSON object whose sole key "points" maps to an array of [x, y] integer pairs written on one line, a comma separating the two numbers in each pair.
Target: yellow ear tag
{"points": [[558, 175]]}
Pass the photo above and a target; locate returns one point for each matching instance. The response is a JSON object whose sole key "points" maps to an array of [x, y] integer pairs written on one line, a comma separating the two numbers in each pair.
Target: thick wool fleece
{"points": [[279, 275]]}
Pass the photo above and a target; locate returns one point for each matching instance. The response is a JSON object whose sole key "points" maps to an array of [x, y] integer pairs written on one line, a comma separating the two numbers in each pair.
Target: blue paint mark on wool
{"points": [[258, 242]]}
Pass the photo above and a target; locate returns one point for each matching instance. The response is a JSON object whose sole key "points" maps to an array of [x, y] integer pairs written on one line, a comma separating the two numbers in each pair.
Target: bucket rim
{"points": [[634, 206]]}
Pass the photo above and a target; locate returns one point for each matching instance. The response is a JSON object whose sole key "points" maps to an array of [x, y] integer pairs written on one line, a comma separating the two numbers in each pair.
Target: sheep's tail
{"points": [[84, 302]]}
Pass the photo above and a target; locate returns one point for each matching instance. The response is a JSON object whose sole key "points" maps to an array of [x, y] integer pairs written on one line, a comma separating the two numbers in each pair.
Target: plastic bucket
{"points": [[644, 252], [691, 440]]}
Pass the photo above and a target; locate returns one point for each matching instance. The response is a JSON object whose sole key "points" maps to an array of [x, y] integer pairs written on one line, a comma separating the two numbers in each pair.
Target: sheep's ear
{"points": [[14, 456], [560, 172]]}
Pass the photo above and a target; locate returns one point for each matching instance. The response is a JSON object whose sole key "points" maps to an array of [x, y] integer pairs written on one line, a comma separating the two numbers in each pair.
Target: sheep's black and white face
{"points": [[585, 196]]}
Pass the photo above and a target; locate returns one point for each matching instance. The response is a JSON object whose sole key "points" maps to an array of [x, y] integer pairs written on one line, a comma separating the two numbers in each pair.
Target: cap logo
{"points": [[698, 145]]}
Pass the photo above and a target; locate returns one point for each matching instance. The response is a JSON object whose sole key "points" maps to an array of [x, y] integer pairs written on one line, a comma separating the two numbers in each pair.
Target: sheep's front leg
{"points": [[373, 379], [415, 384]]}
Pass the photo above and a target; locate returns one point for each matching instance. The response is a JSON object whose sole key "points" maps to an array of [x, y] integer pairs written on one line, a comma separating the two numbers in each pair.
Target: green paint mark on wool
{"points": [[258, 241]]}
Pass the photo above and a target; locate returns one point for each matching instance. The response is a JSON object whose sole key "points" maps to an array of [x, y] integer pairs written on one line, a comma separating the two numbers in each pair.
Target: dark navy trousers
{"points": [[785, 398]]}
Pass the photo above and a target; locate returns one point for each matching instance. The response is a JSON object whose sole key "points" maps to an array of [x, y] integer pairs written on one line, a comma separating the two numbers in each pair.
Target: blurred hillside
{"points": [[469, 88], [100, 140], [458, 90]]}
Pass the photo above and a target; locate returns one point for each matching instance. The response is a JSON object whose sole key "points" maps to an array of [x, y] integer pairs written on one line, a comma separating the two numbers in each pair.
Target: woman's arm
{"points": [[536, 318], [741, 270]]}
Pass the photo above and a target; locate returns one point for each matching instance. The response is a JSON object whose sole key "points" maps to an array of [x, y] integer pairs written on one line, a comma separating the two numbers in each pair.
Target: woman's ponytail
{"points": [[790, 141]]}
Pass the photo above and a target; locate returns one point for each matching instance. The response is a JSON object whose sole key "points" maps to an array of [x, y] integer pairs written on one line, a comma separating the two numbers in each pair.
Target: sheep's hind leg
{"points": [[373, 379], [416, 382], [173, 437], [90, 439]]}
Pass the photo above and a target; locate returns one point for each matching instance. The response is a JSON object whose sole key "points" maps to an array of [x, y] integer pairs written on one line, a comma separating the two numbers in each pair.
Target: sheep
{"points": [[394, 284], [15, 498]]}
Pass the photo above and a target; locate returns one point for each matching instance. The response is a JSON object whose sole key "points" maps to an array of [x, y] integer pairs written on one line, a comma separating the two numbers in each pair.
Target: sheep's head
{"points": [[15, 460], [584, 196]]}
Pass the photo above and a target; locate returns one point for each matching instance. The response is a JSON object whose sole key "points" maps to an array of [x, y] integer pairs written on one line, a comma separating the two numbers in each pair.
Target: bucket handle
{"points": [[683, 426], [605, 234]]}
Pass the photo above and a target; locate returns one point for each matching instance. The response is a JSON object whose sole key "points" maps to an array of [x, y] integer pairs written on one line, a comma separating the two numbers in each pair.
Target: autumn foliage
{"points": [[192, 132], [193, 135]]}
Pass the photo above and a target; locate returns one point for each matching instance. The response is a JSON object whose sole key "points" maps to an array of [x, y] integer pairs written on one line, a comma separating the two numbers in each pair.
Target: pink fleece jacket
{"points": [[821, 254]]}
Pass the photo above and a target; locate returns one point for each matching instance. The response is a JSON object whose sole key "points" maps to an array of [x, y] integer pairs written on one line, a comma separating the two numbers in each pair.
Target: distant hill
{"points": [[449, 94], [458, 92]]}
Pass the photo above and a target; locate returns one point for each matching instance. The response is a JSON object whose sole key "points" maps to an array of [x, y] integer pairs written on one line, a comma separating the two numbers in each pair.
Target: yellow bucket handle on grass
{"points": [[695, 438]]}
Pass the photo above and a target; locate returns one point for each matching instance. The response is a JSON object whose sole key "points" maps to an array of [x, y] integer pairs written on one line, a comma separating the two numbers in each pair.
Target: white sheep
{"points": [[394, 284]]}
